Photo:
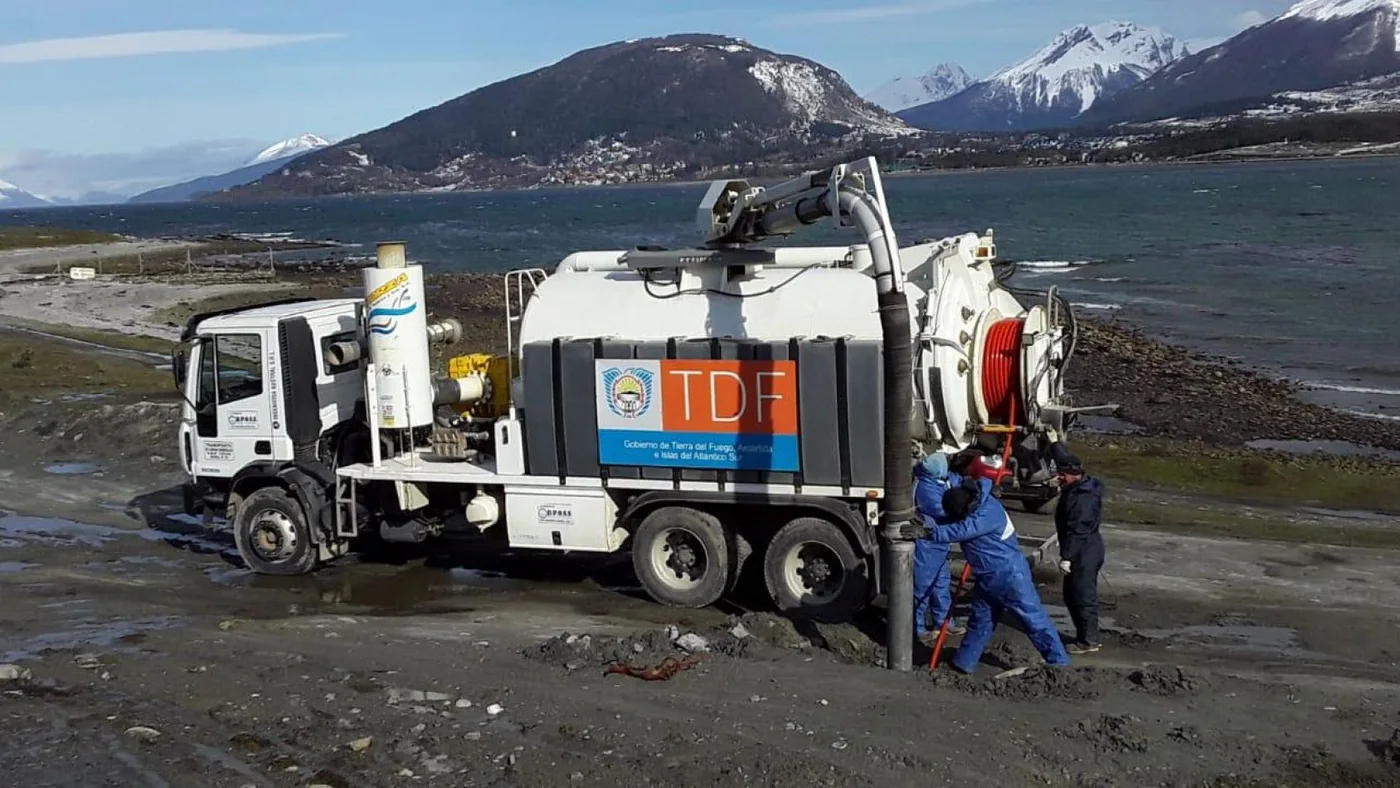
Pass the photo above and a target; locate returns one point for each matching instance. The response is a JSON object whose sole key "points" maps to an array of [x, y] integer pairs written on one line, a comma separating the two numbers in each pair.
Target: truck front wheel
{"points": [[271, 532], [811, 570], [682, 556]]}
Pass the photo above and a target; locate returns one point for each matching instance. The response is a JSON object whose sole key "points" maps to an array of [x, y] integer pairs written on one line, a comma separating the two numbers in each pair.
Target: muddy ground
{"points": [[135, 650], [148, 656]]}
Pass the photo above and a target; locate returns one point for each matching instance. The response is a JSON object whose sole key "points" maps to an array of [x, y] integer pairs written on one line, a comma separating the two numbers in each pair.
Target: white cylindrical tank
{"points": [[397, 333], [771, 304]]}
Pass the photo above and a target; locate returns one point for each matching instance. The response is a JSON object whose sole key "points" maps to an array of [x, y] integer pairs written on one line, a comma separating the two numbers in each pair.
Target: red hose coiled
{"points": [[1001, 370]]}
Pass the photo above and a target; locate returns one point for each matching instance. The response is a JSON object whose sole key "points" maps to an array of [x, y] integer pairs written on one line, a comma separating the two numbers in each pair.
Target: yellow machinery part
{"points": [[497, 370]]}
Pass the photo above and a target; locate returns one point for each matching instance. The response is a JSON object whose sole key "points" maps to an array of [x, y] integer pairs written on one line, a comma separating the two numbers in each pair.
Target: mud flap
{"points": [[311, 494]]}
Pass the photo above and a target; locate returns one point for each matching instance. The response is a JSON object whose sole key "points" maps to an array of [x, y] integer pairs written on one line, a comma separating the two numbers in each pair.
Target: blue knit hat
{"points": [[936, 464]]}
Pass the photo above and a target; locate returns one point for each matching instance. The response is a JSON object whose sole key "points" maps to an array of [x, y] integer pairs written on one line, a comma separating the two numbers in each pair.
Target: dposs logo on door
{"points": [[628, 391], [562, 514]]}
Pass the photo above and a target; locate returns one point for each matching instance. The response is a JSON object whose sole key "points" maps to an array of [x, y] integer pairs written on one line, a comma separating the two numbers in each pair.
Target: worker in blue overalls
{"points": [[933, 598], [1003, 576]]}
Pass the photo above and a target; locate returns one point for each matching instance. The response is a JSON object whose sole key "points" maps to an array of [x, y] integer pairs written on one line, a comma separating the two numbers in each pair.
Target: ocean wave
{"points": [[1350, 389], [1053, 265], [1365, 414], [1100, 307], [1110, 279]]}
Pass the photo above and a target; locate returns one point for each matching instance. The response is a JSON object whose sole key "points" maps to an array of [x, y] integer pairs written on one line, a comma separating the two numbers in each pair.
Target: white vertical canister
{"points": [[397, 335]]}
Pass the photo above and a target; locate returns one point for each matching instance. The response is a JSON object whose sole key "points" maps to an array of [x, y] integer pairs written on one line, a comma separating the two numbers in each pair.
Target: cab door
{"points": [[233, 417]]}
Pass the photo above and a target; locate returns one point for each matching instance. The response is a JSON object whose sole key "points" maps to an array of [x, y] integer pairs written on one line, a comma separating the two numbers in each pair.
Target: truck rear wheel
{"points": [[811, 569], [682, 556], [271, 532]]}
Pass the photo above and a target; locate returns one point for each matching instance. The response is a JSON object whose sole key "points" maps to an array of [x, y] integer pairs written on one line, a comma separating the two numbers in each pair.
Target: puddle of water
{"points": [[1108, 425], [72, 468], [193, 521], [363, 589], [1330, 448], [100, 634], [138, 560], [16, 530], [83, 396], [10, 567], [47, 530], [1279, 641]]}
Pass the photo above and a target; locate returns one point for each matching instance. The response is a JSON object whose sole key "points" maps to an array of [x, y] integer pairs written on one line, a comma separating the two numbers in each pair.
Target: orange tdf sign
{"points": [[729, 397]]}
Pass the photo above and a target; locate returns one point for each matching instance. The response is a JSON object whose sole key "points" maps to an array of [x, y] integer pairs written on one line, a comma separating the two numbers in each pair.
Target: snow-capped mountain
{"points": [[903, 92], [13, 197], [644, 110], [272, 159], [1327, 10], [1315, 45], [1056, 84], [287, 148]]}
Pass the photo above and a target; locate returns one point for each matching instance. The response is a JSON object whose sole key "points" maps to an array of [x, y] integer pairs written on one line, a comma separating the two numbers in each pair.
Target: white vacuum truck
{"points": [[705, 407]]}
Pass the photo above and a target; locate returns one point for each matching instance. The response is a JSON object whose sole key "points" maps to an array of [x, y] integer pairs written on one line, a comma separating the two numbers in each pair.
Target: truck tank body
{"points": [[773, 304], [800, 411]]}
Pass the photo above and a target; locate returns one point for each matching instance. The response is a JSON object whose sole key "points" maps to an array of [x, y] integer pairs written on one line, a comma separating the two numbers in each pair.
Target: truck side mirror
{"points": [[177, 367]]}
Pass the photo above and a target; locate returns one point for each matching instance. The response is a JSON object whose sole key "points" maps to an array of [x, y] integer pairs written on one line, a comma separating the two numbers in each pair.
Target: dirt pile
{"points": [[1109, 733], [143, 431], [1389, 750], [1176, 393], [752, 636], [1073, 683]]}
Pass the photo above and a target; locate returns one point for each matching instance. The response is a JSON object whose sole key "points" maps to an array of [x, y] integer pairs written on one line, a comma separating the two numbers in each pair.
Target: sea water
{"points": [[1292, 267]]}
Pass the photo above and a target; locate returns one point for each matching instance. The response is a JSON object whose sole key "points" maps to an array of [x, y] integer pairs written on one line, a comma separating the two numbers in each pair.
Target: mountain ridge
{"points": [[1056, 83], [13, 197], [272, 158], [903, 92], [641, 110], [1314, 45]]}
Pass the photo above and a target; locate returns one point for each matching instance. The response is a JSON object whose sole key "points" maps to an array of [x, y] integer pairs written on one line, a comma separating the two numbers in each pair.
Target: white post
{"points": [[408, 418], [372, 410]]}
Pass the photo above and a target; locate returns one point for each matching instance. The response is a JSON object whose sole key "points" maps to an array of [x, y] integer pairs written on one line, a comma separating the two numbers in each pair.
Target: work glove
{"points": [[1052, 434], [1065, 567], [913, 530]]}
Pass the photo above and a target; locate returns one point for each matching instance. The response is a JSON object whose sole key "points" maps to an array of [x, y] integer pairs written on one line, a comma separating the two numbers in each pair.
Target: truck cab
{"points": [[265, 399]]}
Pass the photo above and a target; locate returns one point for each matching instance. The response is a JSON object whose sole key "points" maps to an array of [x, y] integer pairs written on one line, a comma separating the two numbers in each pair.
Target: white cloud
{"points": [[70, 176], [148, 43], [837, 16], [1251, 18]]}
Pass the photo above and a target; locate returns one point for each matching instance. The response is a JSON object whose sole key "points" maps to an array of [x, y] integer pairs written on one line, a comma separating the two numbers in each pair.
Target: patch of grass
{"points": [[145, 344], [1342, 483], [32, 366], [1237, 525], [179, 313], [44, 237]]}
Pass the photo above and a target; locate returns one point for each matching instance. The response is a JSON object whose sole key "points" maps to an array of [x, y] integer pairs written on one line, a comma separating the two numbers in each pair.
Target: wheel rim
{"points": [[679, 559], [814, 572], [273, 536]]}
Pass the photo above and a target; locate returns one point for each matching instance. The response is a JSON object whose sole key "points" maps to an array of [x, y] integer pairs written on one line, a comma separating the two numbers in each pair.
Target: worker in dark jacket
{"points": [[1078, 516]]}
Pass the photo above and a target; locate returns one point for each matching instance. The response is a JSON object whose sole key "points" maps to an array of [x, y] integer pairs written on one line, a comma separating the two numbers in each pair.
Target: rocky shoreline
{"points": [[1172, 392], [1165, 390]]}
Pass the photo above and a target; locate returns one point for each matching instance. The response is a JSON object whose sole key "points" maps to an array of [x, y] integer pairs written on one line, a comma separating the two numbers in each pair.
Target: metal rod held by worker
{"points": [[948, 619]]}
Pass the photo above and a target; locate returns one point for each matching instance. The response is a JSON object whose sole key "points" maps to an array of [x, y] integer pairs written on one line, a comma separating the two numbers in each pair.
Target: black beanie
{"points": [[962, 500]]}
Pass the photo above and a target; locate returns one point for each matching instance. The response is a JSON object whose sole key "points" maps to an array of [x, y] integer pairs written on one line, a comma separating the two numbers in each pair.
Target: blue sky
{"points": [[94, 83]]}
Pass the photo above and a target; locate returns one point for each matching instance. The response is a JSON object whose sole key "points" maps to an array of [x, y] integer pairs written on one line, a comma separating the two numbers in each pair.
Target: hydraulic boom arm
{"points": [[734, 213]]}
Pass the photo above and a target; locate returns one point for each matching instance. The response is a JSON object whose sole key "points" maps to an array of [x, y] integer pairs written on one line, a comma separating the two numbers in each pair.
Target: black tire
{"points": [[808, 546], [271, 532], [1037, 505], [682, 557]]}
